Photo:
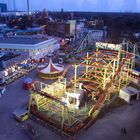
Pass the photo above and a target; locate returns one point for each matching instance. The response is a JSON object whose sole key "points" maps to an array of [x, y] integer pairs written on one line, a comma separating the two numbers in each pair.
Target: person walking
{"points": [[123, 131]]}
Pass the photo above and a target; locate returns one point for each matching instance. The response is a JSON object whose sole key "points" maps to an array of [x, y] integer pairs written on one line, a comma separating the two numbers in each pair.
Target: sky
{"points": [[77, 5]]}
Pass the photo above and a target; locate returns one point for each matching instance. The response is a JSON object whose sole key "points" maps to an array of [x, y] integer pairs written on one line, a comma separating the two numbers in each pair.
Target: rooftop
{"points": [[8, 57], [130, 90], [137, 69], [21, 40]]}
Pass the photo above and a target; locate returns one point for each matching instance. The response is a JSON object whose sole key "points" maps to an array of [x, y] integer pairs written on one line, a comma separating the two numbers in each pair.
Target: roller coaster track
{"points": [[79, 44], [105, 92]]}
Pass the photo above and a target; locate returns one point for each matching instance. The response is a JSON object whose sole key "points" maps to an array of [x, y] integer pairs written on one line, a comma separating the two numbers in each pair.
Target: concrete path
{"points": [[106, 128]]}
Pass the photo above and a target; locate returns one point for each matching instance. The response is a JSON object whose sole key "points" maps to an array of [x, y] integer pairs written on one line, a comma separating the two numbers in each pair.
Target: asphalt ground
{"points": [[106, 128]]}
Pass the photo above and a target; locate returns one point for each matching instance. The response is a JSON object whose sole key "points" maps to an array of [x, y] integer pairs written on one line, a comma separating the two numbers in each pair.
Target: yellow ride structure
{"points": [[73, 107]]}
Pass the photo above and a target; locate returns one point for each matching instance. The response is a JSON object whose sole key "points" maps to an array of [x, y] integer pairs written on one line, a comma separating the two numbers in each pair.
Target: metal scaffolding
{"points": [[104, 71]]}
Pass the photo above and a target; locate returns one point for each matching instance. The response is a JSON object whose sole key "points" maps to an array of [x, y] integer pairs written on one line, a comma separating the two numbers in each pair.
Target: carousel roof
{"points": [[51, 68]]}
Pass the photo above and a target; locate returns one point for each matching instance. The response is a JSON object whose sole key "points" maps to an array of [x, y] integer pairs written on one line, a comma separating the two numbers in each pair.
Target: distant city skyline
{"points": [[76, 5]]}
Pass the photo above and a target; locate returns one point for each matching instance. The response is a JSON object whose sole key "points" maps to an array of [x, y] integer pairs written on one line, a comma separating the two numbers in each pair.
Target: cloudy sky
{"points": [[77, 5]]}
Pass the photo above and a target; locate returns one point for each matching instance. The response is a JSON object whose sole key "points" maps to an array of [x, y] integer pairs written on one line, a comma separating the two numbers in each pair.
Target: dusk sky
{"points": [[78, 5]]}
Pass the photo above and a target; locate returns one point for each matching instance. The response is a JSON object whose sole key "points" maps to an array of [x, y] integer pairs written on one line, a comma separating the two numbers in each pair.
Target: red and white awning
{"points": [[51, 68]]}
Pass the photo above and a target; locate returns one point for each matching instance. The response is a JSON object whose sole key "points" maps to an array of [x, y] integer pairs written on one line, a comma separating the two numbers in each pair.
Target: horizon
{"points": [[121, 12], [106, 6]]}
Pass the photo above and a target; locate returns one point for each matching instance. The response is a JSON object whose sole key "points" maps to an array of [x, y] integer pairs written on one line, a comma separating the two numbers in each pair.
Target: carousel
{"points": [[51, 71]]}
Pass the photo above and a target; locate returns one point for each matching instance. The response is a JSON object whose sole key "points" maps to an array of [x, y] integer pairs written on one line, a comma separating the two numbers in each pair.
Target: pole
{"points": [[75, 75], [128, 70], [104, 79], [114, 67], [30, 102], [75, 34], [63, 118], [87, 62], [119, 56]]}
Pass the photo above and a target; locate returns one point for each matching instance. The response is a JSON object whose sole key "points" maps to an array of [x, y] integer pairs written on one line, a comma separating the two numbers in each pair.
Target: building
{"points": [[80, 30], [135, 75], [62, 29], [72, 27], [99, 35], [9, 59], [9, 63], [3, 7], [96, 24], [129, 94], [35, 48], [136, 71]]}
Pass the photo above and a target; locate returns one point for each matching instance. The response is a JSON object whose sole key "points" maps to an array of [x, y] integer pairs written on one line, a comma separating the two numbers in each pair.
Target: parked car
{"points": [[2, 82], [21, 114], [2, 91]]}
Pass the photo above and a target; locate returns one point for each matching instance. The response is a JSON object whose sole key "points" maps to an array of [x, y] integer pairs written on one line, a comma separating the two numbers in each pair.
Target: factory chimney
{"points": [[14, 5], [28, 7]]}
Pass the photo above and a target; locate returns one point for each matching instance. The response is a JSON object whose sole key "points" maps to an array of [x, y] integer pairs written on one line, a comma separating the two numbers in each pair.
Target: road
{"points": [[106, 128]]}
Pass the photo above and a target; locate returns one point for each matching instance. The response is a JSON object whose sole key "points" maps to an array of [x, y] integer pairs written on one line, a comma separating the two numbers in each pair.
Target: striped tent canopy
{"points": [[52, 68]]}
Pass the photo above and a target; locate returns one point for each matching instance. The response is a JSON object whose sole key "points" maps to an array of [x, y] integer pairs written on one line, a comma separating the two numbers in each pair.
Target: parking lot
{"points": [[106, 128]]}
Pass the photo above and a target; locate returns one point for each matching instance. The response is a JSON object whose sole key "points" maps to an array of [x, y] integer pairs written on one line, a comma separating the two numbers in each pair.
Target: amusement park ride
{"points": [[71, 107]]}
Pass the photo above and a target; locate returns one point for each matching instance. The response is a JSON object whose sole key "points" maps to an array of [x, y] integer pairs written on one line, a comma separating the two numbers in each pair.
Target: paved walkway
{"points": [[109, 127], [106, 128]]}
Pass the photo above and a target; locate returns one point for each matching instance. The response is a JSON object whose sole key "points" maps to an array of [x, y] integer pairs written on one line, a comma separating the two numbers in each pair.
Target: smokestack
{"points": [[28, 7], [14, 6]]}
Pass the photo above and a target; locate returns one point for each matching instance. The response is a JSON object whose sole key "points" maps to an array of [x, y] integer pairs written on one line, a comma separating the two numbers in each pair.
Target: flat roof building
{"points": [[136, 71], [21, 40], [3, 7], [9, 63], [36, 48], [135, 75], [61, 29], [8, 60], [129, 94]]}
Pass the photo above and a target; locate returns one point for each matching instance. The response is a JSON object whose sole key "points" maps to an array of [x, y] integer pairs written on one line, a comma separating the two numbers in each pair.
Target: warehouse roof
{"points": [[8, 57], [26, 43], [21, 40]]}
